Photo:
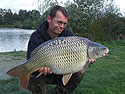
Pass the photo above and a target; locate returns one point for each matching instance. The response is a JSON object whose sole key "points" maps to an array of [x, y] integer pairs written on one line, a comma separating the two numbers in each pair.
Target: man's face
{"points": [[58, 23]]}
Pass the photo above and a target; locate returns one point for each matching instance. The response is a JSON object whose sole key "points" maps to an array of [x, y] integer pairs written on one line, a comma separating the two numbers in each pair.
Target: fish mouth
{"points": [[106, 53]]}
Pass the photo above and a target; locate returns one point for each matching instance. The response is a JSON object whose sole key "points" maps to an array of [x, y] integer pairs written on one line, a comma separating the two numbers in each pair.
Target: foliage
{"points": [[23, 19], [45, 5], [89, 17], [105, 76]]}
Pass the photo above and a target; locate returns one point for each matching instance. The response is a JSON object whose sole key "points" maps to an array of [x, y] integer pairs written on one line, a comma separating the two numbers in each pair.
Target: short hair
{"points": [[56, 8]]}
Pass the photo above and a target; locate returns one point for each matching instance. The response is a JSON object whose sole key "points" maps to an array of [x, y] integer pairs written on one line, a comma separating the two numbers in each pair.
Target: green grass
{"points": [[11, 86], [105, 76], [15, 55]]}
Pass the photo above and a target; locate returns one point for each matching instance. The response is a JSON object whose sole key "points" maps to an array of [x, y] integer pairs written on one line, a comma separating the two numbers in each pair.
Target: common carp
{"points": [[63, 55]]}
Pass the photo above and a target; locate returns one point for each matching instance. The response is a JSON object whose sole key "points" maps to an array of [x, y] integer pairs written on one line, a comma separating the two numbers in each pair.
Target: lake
{"points": [[14, 39]]}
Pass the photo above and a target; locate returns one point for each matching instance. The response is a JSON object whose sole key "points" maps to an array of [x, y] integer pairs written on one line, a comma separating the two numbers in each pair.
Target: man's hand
{"points": [[44, 71]]}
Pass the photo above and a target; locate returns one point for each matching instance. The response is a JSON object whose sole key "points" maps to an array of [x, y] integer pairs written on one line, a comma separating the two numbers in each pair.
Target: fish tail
{"points": [[21, 72]]}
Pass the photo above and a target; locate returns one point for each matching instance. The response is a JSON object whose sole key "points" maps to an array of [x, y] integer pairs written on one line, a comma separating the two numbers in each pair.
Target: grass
{"points": [[15, 55], [105, 76]]}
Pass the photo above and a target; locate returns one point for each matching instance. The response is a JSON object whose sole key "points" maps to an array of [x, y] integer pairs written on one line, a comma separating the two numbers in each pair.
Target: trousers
{"points": [[38, 85]]}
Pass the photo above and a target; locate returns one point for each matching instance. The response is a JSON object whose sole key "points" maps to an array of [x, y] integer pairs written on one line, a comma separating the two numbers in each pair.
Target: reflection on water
{"points": [[14, 39]]}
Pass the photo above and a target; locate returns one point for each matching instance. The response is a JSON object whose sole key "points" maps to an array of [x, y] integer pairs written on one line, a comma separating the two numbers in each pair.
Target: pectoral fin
{"points": [[84, 67], [66, 78], [39, 74]]}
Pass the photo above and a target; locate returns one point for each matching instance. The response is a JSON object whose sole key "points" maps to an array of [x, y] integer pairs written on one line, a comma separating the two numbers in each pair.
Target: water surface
{"points": [[12, 39]]}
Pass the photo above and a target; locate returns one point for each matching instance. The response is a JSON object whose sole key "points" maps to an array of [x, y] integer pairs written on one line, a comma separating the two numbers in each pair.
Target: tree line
{"points": [[93, 19], [23, 19], [96, 20]]}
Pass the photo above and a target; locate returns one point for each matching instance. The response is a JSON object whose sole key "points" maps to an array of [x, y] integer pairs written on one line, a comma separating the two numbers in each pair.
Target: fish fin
{"points": [[84, 67], [24, 80], [14, 72], [39, 74], [66, 78], [22, 73], [82, 71]]}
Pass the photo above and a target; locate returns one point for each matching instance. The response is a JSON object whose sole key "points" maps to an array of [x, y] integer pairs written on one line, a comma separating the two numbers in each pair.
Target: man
{"points": [[52, 28]]}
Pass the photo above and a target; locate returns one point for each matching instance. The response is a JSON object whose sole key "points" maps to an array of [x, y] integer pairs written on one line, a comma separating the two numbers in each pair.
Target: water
{"points": [[14, 39]]}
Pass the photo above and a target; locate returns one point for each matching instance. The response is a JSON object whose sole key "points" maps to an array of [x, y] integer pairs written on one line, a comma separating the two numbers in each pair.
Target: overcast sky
{"points": [[16, 5]]}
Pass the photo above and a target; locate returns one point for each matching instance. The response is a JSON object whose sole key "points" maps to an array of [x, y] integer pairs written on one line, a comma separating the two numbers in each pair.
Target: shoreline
{"points": [[14, 52]]}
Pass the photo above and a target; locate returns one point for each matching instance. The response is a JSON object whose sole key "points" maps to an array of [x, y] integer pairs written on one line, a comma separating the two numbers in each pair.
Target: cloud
{"points": [[16, 5], [121, 5]]}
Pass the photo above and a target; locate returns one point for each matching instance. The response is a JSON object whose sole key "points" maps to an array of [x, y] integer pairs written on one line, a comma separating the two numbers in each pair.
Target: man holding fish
{"points": [[56, 57], [52, 28]]}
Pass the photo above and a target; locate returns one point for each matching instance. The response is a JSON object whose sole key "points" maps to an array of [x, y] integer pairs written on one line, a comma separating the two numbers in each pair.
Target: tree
{"points": [[1, 16], [8, 17], [22, 14], [86, 19], [45, 5], [35, 17], [23, 19]]}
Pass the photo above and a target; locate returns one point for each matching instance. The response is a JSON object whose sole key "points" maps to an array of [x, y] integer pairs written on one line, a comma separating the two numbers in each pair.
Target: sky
{"points": [[16, 5], [121, 5]]}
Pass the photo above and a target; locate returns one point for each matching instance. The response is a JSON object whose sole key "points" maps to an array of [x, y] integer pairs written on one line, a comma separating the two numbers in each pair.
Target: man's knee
{"points": [[71, 85], [37, 85]]}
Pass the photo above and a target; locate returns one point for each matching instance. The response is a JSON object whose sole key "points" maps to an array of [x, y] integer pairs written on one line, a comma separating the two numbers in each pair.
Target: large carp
{"points": [[63, 55]]}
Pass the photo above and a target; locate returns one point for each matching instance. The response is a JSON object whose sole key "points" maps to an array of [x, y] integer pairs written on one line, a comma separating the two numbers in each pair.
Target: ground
{"points": [[8, 61]]}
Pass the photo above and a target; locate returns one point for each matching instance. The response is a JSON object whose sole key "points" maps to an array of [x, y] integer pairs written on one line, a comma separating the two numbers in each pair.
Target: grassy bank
{"points": [[105, 76], [10, 60], [15, 55]]}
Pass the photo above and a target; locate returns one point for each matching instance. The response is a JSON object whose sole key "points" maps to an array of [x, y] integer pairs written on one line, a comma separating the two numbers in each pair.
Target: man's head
{"points": [[58, 17], [56, 8]]}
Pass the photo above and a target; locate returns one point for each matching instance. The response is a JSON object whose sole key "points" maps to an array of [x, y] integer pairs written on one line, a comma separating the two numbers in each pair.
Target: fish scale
{"points": [[63, 50], [63, 55]]}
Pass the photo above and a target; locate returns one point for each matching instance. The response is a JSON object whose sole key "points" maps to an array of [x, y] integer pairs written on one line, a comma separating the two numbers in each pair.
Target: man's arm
{"points": [[33, 43]]}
